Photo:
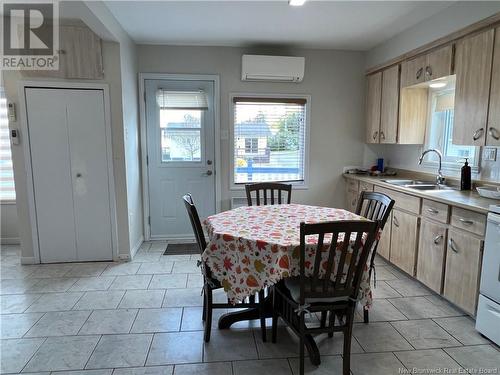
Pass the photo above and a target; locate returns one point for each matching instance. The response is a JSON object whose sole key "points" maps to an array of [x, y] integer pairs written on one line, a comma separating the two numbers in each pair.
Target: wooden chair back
{"points": [[195, 222], [268, 190], [375, 206], [352, 251]]}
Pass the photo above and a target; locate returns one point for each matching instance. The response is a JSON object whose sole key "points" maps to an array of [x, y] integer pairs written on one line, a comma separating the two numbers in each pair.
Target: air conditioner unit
{"points": [[272, 68]]}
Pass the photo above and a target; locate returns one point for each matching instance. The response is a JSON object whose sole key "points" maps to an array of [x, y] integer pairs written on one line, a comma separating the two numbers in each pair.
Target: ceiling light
{"points": [[296, 3], [437, 85]]}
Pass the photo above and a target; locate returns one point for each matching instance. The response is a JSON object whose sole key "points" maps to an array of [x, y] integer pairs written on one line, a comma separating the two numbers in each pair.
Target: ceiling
{"points": [[353, 25]]}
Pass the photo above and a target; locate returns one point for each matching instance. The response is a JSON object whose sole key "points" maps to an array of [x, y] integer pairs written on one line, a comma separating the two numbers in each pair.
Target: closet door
{"points": [[70, 174], [52, 180]]}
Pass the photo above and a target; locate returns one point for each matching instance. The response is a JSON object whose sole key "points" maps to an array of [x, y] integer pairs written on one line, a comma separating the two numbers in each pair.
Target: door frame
{"points": [[144, 147], [25, 141]]}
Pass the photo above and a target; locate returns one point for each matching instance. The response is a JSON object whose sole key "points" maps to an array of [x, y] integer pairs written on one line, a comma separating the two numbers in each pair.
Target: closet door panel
{"points": [[89, 170], [50, 159]]}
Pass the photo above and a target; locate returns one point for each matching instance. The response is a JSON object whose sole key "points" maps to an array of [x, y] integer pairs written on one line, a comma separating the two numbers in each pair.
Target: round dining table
{"points": [[254, 247]]}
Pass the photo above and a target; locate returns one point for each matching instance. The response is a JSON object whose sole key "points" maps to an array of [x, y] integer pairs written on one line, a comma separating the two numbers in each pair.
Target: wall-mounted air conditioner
{"points": [[272, 68]]}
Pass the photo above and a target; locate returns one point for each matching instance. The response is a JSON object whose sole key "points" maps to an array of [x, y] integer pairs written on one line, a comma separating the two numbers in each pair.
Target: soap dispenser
{"points": [[465, 178]]}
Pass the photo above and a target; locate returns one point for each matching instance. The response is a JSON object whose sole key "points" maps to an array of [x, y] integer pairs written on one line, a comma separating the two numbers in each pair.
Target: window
{"points": [[7, 191], [181, 118], [269, 139], [440, 131]]}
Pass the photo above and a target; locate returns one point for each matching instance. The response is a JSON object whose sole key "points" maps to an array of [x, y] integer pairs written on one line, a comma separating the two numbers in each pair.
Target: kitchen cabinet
{"points": [[384, 244], [473, 63], [373, 100], [431, 254], [412, 115], [404, 234], [493, 136], [390, 105], [352, 188], [433, 65], [463, 262]]}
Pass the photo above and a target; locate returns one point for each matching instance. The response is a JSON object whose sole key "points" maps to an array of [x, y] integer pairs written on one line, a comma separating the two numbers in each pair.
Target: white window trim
{"points": [[302, 185]]}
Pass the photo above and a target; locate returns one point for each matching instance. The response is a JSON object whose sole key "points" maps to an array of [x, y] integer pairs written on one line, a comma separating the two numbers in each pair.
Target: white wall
{"points": [[335, 81], [447, 21], [9, 233]]}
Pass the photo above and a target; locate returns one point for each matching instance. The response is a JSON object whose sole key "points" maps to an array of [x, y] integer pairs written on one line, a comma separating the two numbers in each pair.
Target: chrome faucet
{"points": [[439, 178]]}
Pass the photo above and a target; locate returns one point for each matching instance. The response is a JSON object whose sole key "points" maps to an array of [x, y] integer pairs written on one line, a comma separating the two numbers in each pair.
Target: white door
{"points": [[180, 148], [67, 135]]}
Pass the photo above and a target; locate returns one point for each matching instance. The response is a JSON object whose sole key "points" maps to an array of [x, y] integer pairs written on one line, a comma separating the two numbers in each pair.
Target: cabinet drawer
{"points": [[468, 220], [365, 186], [352, 185], [435, 210], [403, 201]]}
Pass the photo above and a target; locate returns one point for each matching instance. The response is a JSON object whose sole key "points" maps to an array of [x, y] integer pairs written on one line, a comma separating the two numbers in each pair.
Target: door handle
{"points": [[428, 71], [382, 136], [419, 73], [494, 133], [438, 239], [208, 173], [451, 243], [478, 134], [375, 135]]}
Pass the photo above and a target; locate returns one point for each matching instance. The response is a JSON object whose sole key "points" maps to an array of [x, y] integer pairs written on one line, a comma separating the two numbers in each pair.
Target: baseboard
{"points": [[10, 241], [136, 247], [28, 260], [174, 239]]}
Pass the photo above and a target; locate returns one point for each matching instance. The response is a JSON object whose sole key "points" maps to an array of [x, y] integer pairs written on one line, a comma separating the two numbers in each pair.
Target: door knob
{"points": [[208, 173], [209, 162], [78, 175]]}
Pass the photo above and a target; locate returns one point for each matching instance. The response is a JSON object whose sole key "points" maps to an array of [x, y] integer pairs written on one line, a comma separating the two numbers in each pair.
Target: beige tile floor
{"points": [[144, 318]]}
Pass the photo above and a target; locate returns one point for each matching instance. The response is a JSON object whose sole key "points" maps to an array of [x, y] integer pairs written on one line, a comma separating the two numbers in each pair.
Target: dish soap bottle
{"points": [[465, 178]]}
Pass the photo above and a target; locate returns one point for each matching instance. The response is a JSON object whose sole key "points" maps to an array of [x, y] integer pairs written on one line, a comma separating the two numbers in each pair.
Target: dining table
{"points": [[254, 247]]}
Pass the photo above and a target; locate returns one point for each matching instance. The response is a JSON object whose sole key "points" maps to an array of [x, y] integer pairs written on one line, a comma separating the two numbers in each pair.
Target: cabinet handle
{"points": [[494, 133], [428, 71], [466, 222], [375, 135], [438, 239], [452, 245], [419, 73], [433, 211], [478, 134], [396, 222], [61, 52], [382, 135]]}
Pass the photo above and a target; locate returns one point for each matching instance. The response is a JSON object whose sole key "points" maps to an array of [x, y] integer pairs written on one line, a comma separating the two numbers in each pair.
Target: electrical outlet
{"points": [[490, 154]]}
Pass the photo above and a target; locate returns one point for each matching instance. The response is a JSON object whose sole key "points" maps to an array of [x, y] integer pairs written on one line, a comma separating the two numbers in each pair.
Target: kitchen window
{"points": [[269, 139], [7, 190]]}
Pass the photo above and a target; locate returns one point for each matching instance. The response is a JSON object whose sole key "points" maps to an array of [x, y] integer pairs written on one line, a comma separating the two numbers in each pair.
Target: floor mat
{"points": [[181, 248]]}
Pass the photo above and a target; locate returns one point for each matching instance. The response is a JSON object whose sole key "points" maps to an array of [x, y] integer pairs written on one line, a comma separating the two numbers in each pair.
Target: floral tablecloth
{"points": [[253, 247]]}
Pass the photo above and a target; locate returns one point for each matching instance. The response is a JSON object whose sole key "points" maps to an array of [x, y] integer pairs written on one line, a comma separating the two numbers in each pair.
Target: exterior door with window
{"points": [[180, 153]]}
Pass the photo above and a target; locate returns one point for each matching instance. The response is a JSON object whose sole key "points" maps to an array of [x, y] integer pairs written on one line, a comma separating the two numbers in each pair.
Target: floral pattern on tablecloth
{"points": [[254, 247]]}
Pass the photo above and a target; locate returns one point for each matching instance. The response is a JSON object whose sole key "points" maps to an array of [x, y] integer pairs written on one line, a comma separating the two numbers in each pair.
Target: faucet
{"points": [[439, 178]]}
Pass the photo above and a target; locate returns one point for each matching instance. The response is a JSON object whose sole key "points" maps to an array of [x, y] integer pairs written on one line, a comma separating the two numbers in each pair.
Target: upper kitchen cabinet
{"points": [[373, 99], [493, 135], [382, 106], [473, 63], [433, 65]]}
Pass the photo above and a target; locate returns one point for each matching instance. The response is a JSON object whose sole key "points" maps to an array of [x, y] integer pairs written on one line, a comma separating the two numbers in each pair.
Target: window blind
{"points": [[181, 99], [7, 191], [269, 139]]}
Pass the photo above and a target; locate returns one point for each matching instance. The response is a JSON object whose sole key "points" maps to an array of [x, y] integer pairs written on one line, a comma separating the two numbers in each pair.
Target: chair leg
{"points": [[346, 363], [204, 312], [208, 314], [302, 345], [365, 315], [274, 334], [262, 316], [323, 319], [332, 323]]}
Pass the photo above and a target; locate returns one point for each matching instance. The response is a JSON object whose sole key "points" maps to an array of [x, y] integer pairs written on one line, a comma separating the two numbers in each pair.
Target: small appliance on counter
{"points": [[488, 309]]}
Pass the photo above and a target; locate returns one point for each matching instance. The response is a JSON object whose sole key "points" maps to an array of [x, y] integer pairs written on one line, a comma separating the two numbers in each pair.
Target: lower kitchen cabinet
{"points": [[384, 244], [463, 262], [431, 254], [352, 200], [404, 240]]}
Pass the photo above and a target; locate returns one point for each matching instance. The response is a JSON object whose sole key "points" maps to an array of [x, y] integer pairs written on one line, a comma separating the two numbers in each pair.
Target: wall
{"points": [[335, 81], [447, 21], [8, 223]]}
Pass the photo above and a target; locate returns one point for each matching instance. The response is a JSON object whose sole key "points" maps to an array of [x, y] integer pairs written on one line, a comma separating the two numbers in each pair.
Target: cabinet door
{"points": [[431, 250], [413, 71], [493, 137], [439, 63], [384, 244], [473, 59], [463, 262], [373, 99], [390, 105], [404, 240]]}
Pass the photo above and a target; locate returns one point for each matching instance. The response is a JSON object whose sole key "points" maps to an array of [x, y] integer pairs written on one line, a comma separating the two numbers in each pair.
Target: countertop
{"points": [[469, 200]]}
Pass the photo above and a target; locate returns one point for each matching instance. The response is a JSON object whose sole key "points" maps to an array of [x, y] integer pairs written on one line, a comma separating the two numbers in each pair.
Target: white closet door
{"points": [[50, 161], [70, 175]]}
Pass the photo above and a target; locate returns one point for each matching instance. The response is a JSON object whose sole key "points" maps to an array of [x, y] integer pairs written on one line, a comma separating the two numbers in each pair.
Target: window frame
{"points": [[301, 185], [6, 201], [445, 165]]}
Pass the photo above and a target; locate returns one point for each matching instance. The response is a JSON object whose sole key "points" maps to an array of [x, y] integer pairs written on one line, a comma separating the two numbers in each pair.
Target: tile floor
{"points": [[144, 318]]}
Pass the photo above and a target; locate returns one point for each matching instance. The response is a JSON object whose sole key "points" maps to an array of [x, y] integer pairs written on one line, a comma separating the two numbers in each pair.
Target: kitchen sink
{"points": [[418, 184]]}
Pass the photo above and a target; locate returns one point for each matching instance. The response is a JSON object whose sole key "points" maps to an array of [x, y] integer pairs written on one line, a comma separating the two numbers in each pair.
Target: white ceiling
{"points": [[353, 25]]}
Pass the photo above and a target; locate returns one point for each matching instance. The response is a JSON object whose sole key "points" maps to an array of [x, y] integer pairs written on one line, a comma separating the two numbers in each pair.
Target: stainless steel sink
{"points": [[418, 184], [429, 187]]}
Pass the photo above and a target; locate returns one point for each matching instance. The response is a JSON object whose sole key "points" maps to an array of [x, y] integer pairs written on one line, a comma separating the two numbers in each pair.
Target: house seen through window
{"points": [[269, 139]]}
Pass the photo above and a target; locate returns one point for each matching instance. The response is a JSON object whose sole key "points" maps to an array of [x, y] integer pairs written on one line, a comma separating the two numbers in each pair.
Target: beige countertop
{"points": [[469, 200]]}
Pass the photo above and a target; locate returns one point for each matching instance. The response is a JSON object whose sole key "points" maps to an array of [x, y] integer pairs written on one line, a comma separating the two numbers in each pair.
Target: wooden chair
{"points": [[377, 207], [323, 291], [268, 189], [210, 284]]}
